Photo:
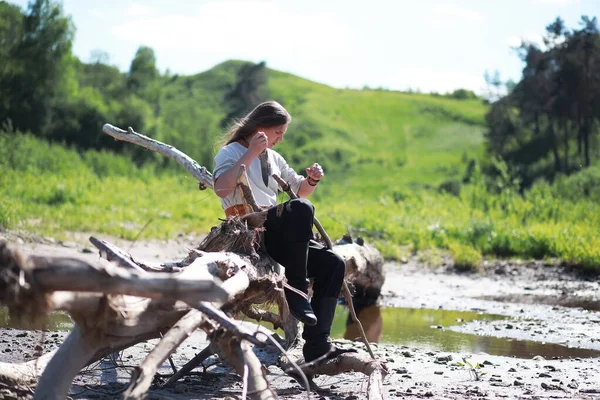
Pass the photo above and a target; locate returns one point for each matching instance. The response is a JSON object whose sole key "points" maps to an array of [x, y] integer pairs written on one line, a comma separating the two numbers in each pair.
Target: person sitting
{"points": [[288, 227]]}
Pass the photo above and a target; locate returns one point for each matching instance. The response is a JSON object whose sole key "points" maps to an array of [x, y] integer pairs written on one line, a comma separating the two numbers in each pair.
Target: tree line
{"points": [[49, 92], [548, 123]]}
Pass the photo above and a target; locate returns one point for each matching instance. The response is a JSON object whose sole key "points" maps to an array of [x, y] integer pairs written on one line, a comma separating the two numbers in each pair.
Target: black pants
{"points": [[288, 225]]}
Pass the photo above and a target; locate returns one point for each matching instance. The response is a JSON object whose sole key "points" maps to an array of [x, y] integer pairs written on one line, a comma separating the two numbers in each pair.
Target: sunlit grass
{"points": [[386, 155]]}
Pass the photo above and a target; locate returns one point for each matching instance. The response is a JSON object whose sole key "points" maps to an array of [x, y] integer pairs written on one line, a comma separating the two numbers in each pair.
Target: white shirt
{"points": [[264, 195]]}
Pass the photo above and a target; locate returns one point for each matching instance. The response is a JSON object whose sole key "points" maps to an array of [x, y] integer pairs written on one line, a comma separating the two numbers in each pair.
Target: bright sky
{"points": [[430, 45]]}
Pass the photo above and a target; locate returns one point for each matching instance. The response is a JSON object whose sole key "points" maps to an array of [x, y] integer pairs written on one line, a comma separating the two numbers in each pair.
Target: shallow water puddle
{"points": [[426, 328], [56, 322], [411, 327]]}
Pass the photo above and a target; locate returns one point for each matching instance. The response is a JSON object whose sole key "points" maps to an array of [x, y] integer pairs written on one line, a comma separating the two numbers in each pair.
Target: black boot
{"points": [[295, 272], [298, 303], [317, 337]]}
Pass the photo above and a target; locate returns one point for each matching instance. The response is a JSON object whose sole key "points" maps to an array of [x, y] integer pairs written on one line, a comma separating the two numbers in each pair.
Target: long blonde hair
{"points": [[269, 113]]}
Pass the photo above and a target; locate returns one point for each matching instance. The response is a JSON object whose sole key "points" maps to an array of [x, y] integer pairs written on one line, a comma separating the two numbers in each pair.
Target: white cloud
{"points": [[140, 10], [453, 10], [535, 38], [252, 29]]}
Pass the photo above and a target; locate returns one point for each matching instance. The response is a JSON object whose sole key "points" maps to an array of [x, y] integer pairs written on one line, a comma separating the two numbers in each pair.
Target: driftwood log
{"points": [[123, 302]]}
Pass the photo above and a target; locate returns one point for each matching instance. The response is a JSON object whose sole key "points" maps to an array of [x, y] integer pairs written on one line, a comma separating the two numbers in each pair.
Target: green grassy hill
{"points": [[425, 137], [385, 155], [358, 135]]}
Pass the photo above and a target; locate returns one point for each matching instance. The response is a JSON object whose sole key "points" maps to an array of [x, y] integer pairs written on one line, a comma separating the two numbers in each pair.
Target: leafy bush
{"points": [[465, 257], [451, 186], [584, 184], [25, 152], [104, 163]]}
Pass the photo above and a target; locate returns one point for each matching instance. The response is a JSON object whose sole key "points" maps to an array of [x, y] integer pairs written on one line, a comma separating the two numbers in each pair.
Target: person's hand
{"points": [[315, 172], [258, 143]]}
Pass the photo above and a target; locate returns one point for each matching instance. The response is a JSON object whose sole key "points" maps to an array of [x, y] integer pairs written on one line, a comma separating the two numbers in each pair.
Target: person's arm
{"points": [[314, 175], [225, 183]]}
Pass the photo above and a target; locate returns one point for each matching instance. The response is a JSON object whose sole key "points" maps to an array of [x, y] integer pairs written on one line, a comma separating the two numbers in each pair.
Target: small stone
{"points": [[573, 384], [518, 383], [439, 372]]}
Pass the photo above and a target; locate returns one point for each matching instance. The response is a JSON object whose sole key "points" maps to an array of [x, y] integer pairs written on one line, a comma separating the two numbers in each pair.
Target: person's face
{"points": [[274, 134]]}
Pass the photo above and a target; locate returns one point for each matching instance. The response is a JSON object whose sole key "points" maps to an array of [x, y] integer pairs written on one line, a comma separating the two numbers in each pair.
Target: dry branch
{"points": [[245, 190], [56, 274], [199, 172], [189, 366], [239, 354], [142, 376], [74, 354]]}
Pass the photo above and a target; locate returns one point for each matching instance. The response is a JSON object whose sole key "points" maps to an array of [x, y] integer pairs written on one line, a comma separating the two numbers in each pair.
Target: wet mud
{"points": [[514, 330]]}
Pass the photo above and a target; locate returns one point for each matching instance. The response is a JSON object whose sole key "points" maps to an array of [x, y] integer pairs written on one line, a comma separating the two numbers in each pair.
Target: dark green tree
{"points": [[557, 96], [585, 54], [249, 90], [142, 71], [11, 33], [44, 70]]}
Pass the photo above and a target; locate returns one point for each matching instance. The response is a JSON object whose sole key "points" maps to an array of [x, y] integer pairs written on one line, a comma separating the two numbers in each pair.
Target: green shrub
{"points": [[583, 184], [465, 257], [450, 186]]}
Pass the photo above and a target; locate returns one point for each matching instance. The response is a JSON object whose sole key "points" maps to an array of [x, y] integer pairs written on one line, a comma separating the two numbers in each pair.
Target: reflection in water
{"points": [[371, 321], [425, 328]]}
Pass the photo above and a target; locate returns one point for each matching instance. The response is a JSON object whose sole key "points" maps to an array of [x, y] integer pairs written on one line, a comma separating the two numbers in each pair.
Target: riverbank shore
{"points": [[544, 303]]}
